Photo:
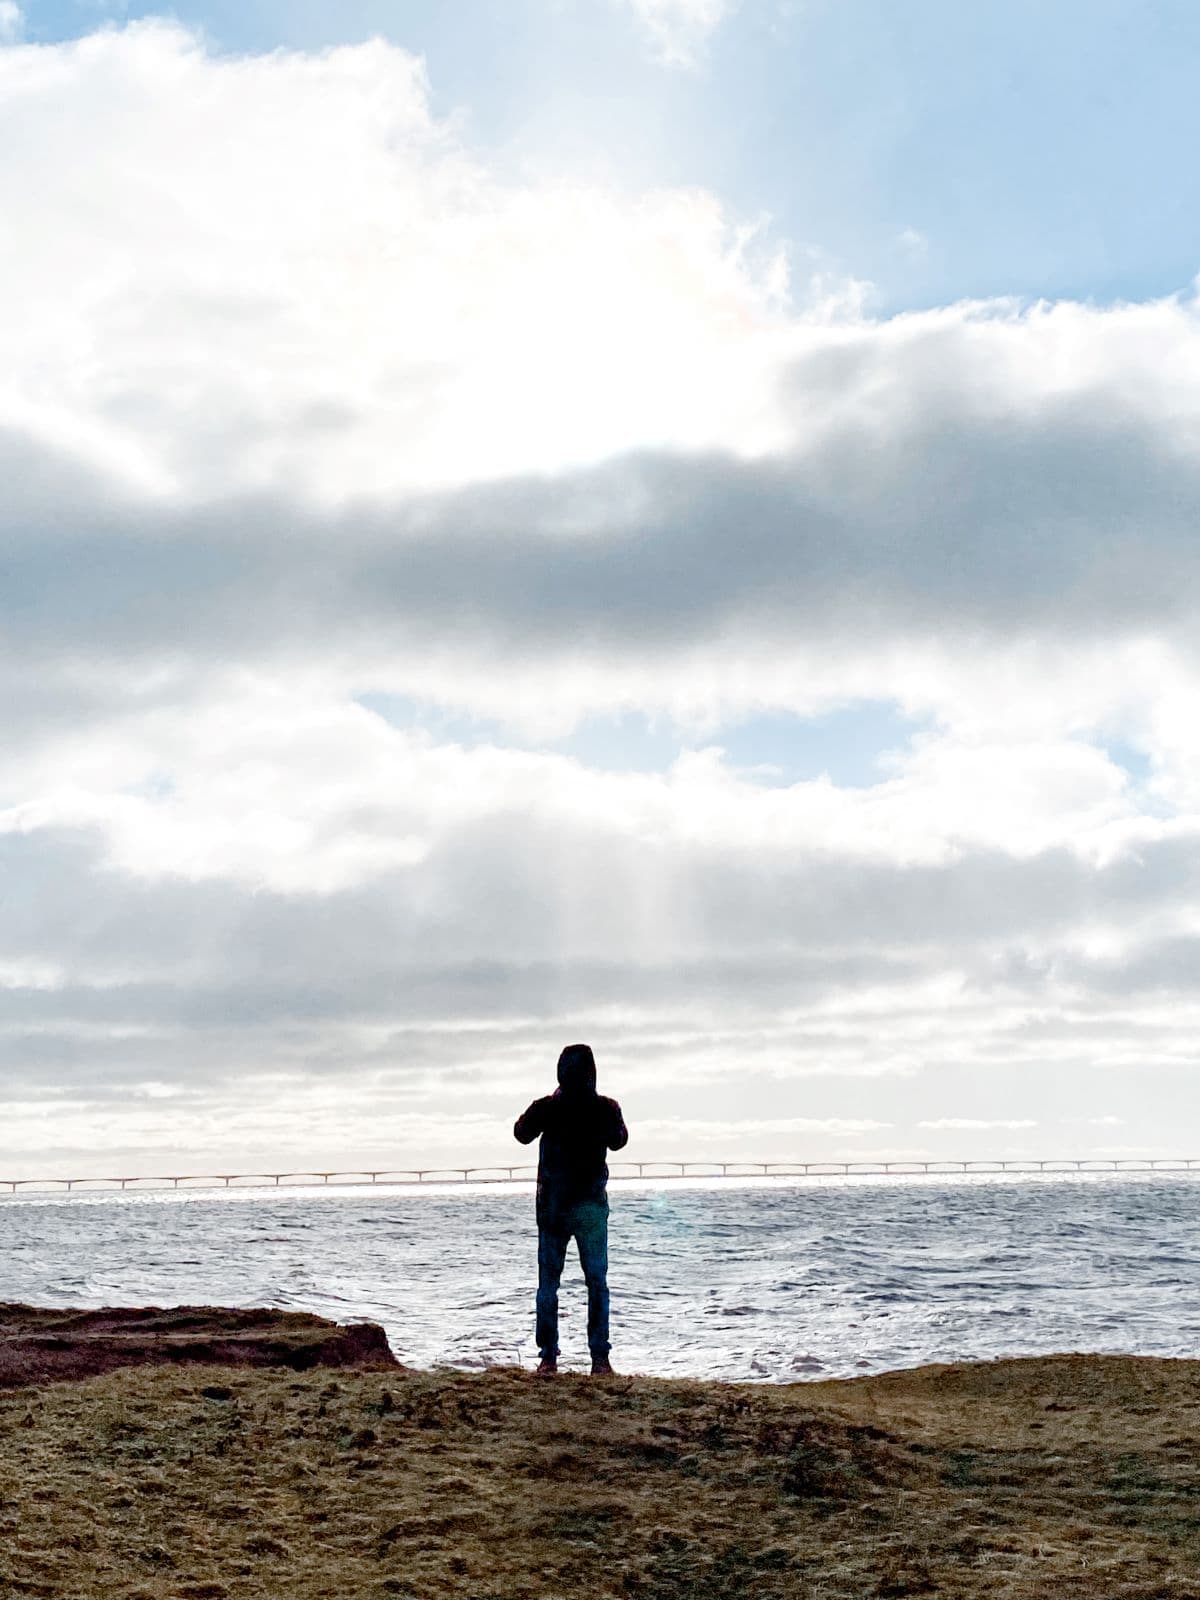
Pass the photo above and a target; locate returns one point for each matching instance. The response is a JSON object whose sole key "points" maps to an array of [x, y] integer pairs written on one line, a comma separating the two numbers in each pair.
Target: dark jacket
{"points": [[577, 1128]]}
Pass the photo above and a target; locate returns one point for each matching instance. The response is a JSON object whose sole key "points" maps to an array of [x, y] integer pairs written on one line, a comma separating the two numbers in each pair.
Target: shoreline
{"points": [[194, 1481]]}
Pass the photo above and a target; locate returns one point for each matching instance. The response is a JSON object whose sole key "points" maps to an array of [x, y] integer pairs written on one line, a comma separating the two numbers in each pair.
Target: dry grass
{"points": [[1071, 1476]]}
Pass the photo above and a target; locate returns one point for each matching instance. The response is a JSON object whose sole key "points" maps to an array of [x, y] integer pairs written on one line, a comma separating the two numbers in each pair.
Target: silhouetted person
{"points": [[578, 1127]]}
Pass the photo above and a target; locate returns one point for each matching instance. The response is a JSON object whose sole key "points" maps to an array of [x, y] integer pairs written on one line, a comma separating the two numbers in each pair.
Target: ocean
{"points": [[769, 1280]]}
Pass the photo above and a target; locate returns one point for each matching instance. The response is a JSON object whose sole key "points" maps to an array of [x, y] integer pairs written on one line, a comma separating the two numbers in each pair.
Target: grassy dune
{"points": [[1072, 1476]]}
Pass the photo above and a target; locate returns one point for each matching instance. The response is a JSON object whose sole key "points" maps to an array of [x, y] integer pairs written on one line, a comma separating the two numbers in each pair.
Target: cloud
{"points": [[12, 21], [1045, 538], [978, 1124], [736, 1134], [679, 30], [295, 278], [580, 435], [306, 410]]}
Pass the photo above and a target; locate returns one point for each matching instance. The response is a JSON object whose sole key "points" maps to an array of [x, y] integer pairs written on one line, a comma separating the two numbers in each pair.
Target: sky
{"points": [[664, 522]]}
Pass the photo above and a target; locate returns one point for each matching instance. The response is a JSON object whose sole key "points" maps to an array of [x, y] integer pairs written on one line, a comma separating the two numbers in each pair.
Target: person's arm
{"points": [[618, 1134], [532, 1122]]}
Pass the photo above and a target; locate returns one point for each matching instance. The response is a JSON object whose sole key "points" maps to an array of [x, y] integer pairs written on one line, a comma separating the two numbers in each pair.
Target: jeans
{"points": [[587, 1223]]}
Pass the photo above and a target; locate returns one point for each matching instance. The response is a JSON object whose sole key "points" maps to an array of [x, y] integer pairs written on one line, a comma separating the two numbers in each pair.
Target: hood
{"points": [[577, 1070]]}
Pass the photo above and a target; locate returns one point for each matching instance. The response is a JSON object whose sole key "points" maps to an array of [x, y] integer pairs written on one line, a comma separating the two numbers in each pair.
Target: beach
{"points": [[1067, 1474]]}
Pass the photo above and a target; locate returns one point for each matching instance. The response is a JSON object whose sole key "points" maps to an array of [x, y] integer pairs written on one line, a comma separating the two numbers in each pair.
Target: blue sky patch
{"points": [[776, 748], [1130, 758], [442, 726], [848, 745]]}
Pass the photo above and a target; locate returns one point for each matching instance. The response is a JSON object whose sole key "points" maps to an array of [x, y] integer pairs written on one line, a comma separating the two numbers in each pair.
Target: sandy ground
{"points": [[1071, 1476]]}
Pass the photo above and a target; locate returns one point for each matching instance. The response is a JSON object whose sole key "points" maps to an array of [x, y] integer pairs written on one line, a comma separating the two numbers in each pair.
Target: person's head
{"points": [[577, 1070]]}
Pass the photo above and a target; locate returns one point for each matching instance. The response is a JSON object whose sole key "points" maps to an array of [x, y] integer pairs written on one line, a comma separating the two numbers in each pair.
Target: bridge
{"points": [[620, 1171]]}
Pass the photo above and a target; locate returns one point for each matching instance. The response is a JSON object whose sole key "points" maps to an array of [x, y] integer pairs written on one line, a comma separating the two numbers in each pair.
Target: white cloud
{"points": [[679, 29], [748, 1133], [12, 21], [977, 1124], [281, 786], [287, 274]]}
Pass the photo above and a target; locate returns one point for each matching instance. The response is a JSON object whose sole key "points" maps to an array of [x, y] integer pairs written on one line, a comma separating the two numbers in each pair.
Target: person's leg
{"points": [[591, 1234], [552, 1252]]}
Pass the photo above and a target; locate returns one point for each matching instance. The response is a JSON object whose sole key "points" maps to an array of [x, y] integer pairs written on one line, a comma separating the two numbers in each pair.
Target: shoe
{"points": [[602, 1367], [547, 1367]]}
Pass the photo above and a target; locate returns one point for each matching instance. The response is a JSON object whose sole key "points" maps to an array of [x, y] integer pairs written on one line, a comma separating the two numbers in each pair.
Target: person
{"points": [[577, 1128]]}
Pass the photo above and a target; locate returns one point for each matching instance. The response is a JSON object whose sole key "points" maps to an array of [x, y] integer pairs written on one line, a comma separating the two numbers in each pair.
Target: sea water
{"points": [[769, 1280]]}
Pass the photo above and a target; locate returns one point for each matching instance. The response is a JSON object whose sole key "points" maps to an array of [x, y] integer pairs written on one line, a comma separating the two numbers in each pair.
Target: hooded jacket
{"points": [[577, 1127]]}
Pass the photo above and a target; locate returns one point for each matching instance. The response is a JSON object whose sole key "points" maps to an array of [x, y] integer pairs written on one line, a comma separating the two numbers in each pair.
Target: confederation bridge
{"points": [[620, 1171]]}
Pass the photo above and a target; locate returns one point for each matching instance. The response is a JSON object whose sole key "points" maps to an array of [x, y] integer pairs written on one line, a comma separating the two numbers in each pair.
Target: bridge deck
{"points": [[620, 1171]]}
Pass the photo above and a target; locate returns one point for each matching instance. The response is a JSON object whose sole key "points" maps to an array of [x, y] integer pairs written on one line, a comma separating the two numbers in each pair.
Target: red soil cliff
{"points": [[39, 1345]]}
